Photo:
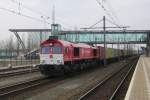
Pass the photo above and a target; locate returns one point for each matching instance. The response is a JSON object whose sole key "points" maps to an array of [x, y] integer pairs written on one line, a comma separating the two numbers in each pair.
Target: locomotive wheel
{"points": [[44, 70], [83, 66], [80, 68], [76, 67], [67, 69]]}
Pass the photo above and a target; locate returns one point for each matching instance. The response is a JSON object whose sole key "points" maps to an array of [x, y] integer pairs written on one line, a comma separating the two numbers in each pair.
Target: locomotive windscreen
{"points": [[45, 50], [57, 50]]}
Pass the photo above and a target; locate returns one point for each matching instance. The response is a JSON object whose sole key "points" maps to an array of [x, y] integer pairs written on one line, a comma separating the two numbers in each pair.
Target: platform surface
{"points": [[139, 88]]}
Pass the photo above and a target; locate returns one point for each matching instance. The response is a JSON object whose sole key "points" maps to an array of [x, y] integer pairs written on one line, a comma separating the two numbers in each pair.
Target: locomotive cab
{"points": [[51, 53]]}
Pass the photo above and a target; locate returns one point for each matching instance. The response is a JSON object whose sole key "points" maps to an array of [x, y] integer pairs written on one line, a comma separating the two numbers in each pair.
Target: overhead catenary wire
{"points": [[113, 23], [103, 7], [92, 26], [29, 8], [21, 14], [117, 26], [111, 10], [109, 13], [42, 15], [47, 17], [96, 23]]}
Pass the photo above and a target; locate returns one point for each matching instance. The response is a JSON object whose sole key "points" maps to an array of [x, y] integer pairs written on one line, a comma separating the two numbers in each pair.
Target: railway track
{"points": [[94, 93], [14, 68], [14, 89], [121, 83], [18, 87], [18, 71]]}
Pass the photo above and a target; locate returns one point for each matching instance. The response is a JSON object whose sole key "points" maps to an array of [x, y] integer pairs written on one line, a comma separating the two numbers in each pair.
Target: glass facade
{"points": [[99, 38]]}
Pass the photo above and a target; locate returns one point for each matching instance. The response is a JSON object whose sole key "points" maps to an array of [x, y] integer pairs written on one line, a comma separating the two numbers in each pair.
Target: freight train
{"points": [[60, 57]]}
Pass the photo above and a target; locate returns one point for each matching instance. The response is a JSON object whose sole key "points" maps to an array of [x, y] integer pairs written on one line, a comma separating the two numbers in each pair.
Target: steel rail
{"points": [[14, 73], [10, 89], [120, 84], [102, 82], [17, 68]]}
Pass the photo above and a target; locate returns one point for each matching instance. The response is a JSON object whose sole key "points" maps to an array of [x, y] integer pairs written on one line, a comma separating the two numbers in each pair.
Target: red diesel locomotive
{"points": [[57, 56]]}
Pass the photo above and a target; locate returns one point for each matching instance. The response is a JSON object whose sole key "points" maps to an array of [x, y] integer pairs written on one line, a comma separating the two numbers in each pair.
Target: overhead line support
{"points": [[104, 28]]}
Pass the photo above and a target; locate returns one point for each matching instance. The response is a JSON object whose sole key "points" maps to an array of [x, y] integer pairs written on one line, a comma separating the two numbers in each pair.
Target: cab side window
{"points": [[65, 51], [94, 52], [76, 52]]}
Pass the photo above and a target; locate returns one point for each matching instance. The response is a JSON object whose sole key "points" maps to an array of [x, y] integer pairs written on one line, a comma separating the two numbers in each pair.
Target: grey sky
{"points": [[74, 13]]}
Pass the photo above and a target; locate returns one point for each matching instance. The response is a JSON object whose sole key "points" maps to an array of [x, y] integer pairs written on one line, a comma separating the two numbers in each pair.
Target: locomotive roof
{"points": [[66, 43]]}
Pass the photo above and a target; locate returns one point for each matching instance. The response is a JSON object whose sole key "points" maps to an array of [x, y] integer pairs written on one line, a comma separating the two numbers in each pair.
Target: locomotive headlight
{"points": [[50, 44]]}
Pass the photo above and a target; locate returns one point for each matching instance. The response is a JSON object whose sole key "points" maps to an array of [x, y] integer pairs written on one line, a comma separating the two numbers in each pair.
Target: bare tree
{"points": [[32, 41]]}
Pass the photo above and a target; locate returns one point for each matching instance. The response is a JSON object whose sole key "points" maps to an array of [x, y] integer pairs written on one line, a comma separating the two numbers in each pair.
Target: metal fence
{"points": [[18, 62]]}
